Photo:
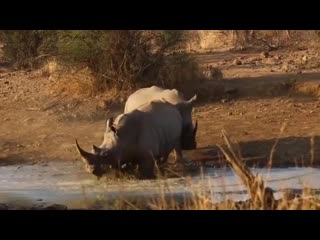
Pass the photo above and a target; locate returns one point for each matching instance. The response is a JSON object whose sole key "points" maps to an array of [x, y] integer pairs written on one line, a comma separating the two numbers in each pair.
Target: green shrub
{"points": [[27, 48], [123, 59]]}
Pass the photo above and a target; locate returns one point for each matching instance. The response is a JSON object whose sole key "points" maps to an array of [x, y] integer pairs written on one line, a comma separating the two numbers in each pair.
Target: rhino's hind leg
{"points": [[178, 154], [161, 165]]}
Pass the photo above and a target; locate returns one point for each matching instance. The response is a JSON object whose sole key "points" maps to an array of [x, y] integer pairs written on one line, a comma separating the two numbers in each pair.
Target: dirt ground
{"points": [[261, 95]]}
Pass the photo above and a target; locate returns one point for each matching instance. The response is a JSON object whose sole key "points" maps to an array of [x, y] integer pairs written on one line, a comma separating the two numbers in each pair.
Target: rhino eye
{"points": [[103, 153], [123, 165]]}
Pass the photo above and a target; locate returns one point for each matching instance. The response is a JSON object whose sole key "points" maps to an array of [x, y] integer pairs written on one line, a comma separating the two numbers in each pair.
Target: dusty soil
{"points": [[256, 97]]}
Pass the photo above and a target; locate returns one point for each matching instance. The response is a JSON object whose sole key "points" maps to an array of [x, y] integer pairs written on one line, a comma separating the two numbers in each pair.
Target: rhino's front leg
{"points": [[179, 157], [146, 166]]}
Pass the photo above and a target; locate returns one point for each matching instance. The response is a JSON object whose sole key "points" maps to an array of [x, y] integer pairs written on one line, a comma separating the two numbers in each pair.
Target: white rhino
{"points": [[148, 133], [144, 95]]}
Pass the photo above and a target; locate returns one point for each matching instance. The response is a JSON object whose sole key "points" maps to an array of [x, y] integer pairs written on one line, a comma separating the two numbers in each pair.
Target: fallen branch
{"points": [[53, 103], [270, 47]]}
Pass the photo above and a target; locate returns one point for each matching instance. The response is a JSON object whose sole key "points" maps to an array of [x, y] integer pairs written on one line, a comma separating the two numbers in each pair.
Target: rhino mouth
{"points": [[94, 163]]}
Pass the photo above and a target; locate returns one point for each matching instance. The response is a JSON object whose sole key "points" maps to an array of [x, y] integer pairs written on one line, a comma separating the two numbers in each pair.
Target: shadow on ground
{"points": [[287, 152], [254, 88]]}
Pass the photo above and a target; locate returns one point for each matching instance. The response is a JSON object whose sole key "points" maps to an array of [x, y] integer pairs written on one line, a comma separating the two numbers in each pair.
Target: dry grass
{"points": [[75, 81], [308, 88], [203, 201]]}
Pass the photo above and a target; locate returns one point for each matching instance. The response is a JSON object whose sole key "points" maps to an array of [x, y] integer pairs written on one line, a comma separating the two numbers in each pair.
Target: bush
{"points": [[271, 39], [126, 59], [121, 59], [27, 48]]}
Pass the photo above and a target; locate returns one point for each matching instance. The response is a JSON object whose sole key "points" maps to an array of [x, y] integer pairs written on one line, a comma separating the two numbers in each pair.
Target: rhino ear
{"points": [[193, 99], [187, 106], [113, 129], [109, 123]]}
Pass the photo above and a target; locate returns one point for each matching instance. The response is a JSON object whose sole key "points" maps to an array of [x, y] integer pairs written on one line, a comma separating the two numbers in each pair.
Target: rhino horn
{"points": [[88, 158], [193, 99], [96, 149]]}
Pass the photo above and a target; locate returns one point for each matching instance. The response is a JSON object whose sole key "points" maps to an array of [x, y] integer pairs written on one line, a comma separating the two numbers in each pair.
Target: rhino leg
{"points": [[146, 167], [178, 153], [179, 157], [164, 159], [161, 164]]}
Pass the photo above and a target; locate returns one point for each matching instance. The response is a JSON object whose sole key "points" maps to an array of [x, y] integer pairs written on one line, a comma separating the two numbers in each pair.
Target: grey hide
{"points": [[173, 96], [140, 137]]}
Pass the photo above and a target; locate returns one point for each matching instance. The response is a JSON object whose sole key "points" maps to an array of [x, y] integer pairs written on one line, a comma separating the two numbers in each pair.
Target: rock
{"points": [[122, 100], [285, 67], [3, 70], [304, 58], [28, 120], [216, 74], [19, 146], [102, 104], [277, 57], [270, 61], [237, 62], [43, 136], [253, 60], [229, 113], [264, 54]]}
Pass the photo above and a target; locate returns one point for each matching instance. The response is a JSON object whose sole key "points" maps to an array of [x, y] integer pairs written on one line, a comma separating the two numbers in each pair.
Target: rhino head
{"points": [[94, 163], [189, 131], [109, 139], [102, 158]]}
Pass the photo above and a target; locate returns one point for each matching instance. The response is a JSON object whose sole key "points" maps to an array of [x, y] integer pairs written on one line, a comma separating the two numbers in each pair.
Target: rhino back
{"points": [[160, 128], [146, 95]]}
